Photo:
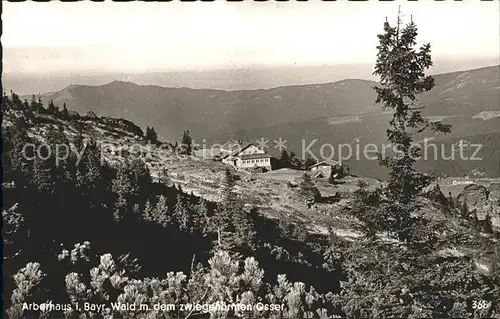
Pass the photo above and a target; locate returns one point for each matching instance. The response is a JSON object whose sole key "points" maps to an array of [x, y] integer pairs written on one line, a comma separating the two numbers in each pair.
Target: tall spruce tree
{"points": [[401, 68], [390, 279]]}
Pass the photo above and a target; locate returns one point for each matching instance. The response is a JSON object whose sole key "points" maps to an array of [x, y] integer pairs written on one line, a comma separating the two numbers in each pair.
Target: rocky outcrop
{"points": [[483, 200], [494, 193], [473, 194]]}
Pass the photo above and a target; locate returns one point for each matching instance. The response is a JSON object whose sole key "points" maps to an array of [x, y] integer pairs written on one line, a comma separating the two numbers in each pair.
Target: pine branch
{"points": [[200, 300]]}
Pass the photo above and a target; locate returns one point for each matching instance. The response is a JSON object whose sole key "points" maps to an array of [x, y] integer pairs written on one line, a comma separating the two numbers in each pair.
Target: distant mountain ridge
{"points": [[244, 78], [208, 112], [204, 112]]}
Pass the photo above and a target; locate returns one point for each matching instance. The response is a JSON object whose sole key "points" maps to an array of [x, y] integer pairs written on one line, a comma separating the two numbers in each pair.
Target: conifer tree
{"points": [[388, 280], [401, 68], [151, 135], [160, 213], [309, 162], [28, 112], [64, 112], [295, 162], [141, 176], [43, 176], [451, 201], [147, 212], [26, 106], [123, 187], [285, 158], [6, 102], [51, 108], [186, 144], [33, 104], [234, 225], [17, 158], [40, 105], [245, 227], [16, 101], [307, 188], [464, 209], [223, 224], [89, 170], [182, 214], [228, 184], [201, 218]]}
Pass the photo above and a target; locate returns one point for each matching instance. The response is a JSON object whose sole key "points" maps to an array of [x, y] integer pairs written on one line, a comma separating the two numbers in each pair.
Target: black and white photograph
{"points": [[250, 159]]}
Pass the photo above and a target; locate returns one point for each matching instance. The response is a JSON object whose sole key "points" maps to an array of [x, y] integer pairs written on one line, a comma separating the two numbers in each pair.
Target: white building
{"points": [[248, 157]]}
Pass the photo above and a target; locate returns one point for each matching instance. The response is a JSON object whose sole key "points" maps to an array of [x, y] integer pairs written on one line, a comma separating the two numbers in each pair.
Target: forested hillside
{"points": [[102, 232]]}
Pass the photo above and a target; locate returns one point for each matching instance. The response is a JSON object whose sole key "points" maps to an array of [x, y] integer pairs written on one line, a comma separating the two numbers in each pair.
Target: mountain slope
{"points": [[171, 110], [466, 92], [212, 112]]}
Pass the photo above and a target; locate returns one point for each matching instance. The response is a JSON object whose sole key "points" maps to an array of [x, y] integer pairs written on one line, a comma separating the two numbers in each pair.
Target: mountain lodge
{"points": [[248, 157]]}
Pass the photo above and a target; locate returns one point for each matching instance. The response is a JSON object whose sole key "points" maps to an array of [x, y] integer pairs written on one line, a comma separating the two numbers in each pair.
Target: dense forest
{"points": [[86, 231]]}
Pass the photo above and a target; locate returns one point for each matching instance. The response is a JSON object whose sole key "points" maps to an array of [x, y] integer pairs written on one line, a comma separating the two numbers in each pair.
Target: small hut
{"points": [[91, 114], [327, 168]]}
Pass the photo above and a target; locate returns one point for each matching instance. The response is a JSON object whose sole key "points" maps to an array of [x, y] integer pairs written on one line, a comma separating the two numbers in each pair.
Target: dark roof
{"points": [[238, 150], [254, 156], [328, 162]]}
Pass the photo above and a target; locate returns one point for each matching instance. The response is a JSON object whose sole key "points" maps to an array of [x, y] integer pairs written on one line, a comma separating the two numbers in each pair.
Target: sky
{"points": [[144, 37]]}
